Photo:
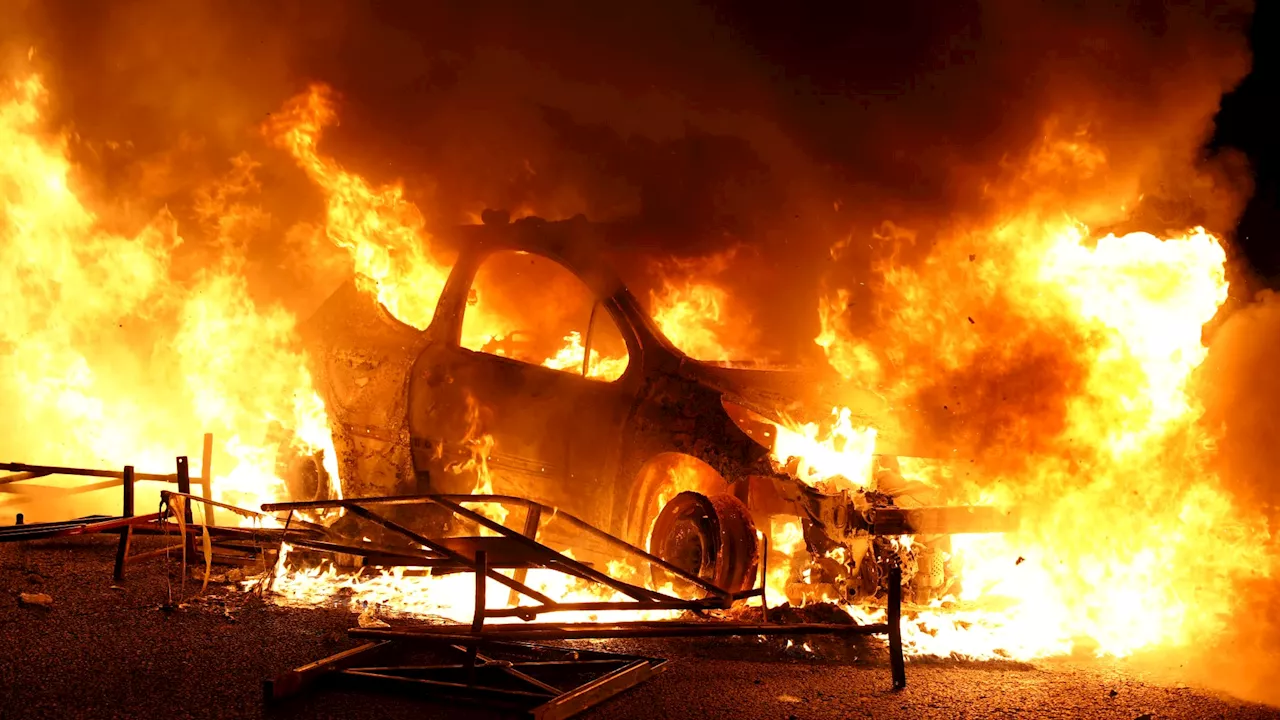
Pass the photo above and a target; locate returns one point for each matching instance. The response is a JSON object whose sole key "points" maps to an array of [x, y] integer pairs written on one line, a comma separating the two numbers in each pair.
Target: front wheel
{"points": [[712, 537]]}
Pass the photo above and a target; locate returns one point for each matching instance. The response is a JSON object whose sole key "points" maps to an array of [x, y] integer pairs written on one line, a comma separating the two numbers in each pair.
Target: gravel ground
{"points": [[107, 652]]}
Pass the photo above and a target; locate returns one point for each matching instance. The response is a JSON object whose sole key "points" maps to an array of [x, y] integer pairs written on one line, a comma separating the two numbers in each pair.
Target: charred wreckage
{"points": [[623, 463], [671, 454]]}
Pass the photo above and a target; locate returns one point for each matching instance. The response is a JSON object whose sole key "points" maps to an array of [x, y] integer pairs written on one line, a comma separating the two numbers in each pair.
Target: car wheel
{"points": [[712, 537]]}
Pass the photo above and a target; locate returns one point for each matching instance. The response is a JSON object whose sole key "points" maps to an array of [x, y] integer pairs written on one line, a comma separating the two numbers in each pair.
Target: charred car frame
{"points": [[673, 454]]}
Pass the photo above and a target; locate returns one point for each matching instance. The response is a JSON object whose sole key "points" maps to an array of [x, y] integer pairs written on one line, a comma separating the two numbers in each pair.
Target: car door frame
{"points": [[444, 338]]}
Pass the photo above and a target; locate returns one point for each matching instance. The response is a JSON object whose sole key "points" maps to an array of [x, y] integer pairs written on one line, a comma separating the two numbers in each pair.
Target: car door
{"points": [[511, 387]]}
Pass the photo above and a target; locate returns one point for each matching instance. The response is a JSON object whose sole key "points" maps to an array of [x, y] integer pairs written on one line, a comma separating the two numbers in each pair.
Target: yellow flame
{"points": [[1128, 539], [839, 457], [112, 357], [570, 357], [383, 231]]}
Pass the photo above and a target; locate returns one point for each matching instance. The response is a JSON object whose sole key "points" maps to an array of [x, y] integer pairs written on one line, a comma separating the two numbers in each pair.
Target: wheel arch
{"points": [[660, 478]]}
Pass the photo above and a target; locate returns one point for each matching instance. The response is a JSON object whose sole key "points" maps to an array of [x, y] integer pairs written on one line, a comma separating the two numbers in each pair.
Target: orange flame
{"points": [[383, 231], [1065, 363], [112, 357], [840, 457]]}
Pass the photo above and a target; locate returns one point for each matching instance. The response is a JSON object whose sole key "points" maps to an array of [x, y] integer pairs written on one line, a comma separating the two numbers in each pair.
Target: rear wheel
{"points": [[711, 537]]}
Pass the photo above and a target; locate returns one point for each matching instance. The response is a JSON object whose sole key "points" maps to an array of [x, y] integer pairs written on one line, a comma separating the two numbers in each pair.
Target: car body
{"points": [[407, 407]]}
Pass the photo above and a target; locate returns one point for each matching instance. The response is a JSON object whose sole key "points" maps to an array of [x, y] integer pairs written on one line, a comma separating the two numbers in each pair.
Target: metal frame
{"points": [[233, 545], [521, 550], [20, 472], [542, 681]]}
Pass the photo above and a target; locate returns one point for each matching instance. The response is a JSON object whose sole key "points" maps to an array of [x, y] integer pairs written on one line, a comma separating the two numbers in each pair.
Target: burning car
{"points": [[594, 411]]}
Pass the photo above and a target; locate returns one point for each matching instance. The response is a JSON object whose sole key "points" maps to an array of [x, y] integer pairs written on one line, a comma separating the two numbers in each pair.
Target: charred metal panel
{"points": [[676, 414], [556, 434], [359, 358], [406, 404]]}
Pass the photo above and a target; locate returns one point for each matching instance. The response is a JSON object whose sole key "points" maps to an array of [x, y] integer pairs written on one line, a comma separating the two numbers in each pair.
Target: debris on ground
{"points": [[369, 618], [35, 600]]}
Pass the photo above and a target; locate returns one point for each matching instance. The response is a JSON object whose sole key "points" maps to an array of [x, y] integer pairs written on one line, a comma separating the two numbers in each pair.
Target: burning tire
{"points": [[711, 537]]}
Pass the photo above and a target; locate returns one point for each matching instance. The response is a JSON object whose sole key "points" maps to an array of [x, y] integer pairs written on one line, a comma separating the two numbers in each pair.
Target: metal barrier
{"points": [[21, 472], [519, 551]]}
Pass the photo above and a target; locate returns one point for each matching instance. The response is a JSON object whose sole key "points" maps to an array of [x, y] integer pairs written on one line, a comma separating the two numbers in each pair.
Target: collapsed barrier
{"points": [[481, 676], [228, 545], [504, 664], [126, 478]]}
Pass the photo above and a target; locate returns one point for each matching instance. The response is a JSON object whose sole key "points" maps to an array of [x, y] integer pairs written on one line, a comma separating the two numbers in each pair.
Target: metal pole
{"points": [[764, 576], [126, 532], [482, 570], [184, 487], [591, 631], [533, 515], [896, 662]]}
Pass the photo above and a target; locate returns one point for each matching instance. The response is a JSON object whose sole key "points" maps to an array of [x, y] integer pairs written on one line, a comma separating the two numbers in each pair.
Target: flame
{"points": [[571, 356], [692, 316], [384, 233], [1059, 361], [786, 551], [397, 591], [479, 445], [839, 457], [386, 237], [697, 313], [112, 355], [1064, 362]]}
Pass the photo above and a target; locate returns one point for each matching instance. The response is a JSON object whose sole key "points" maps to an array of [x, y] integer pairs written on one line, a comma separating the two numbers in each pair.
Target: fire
{"points": [[1059, 363], [1064, 362], [840, 456], [786, 547], [573, 354], [114, 356], [384, 232], [699, 315], [398, 591], [692, 316]]}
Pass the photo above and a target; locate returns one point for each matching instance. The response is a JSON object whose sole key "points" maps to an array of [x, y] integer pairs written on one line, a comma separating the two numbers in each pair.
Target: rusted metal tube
{"points": [[530, 610], [481, 570], [456, 634], [422, 540], [940, 520], [634, 591], [184, 487], [126, 532], [42, 470]]}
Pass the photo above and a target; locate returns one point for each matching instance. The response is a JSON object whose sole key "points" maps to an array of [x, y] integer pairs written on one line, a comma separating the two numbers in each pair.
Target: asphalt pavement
{"points": [[106, 651]]}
